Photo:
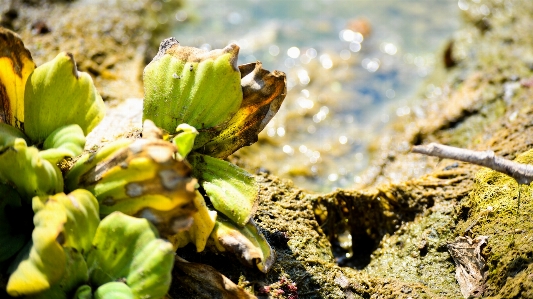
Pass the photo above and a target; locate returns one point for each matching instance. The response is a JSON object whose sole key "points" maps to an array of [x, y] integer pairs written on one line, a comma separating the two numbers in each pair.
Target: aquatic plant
{"points": [[217, 107], [199, 107], [47, 111], [32, 144]]}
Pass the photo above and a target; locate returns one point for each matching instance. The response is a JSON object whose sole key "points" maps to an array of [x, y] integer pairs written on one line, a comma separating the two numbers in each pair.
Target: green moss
{"points": [[500, 209]]}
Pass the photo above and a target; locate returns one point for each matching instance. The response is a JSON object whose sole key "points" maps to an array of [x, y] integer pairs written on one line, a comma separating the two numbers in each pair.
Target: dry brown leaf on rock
{"points": [[470, 272], [207, 282]]}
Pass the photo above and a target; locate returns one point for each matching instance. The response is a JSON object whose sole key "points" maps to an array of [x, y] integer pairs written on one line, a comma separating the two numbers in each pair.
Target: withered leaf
{"points": [[206, 281], [16, 65], [139, 178], [247, 243], [470, 265], [263, 94]]}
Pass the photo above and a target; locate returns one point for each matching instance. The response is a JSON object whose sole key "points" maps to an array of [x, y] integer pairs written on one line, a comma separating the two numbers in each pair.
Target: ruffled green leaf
{"points": [[31, 175], [128, 248], [57, 95], [67, 141], [76, 272], [16, 65], [84, 292], [75, 275], [190, 85], [151, 269], [247, 243], [82, 219], [114, 290], [110, 290], [118, 239], [46, 262], [12, 237], [232, 190], [64, 228], [184, 139]]}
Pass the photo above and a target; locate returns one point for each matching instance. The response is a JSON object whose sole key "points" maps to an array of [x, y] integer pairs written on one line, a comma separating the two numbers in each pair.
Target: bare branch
{"points": [[522, 173]]}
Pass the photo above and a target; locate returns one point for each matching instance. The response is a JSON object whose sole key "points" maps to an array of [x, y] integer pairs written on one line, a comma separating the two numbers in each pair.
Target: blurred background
{"points": [[352, 67]]}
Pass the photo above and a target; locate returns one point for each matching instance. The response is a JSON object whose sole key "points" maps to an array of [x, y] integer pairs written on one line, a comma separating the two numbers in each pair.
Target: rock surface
{"points": [[400, 223]]}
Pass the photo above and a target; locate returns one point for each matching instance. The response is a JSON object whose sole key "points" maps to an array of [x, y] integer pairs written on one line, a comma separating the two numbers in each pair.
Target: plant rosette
{"points": [[212, 107], [73, 251], [178, 181], [45, 114]]}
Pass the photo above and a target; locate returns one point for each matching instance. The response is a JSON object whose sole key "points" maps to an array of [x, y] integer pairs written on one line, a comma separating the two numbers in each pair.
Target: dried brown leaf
{"points": [[207, 282], [263, 93], [16, 65], [470, 265]]}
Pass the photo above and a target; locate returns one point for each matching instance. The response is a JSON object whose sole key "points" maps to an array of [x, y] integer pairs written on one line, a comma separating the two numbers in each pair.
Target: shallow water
{"points": [[351, 66]]}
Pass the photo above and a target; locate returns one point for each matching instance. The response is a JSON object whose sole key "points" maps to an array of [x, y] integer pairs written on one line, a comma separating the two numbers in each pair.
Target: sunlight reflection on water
{"points": [[347, 63]]}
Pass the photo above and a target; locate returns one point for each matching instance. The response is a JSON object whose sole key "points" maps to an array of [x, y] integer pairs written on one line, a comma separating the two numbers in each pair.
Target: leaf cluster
{"points": [[96, 228]]}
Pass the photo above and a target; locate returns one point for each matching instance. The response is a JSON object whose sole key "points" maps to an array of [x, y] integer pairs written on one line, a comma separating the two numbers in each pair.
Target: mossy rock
{"points": [[500, 208]]}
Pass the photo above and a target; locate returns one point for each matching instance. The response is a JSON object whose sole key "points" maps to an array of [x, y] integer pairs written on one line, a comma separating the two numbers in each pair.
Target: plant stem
{"points": [[522, 173]]}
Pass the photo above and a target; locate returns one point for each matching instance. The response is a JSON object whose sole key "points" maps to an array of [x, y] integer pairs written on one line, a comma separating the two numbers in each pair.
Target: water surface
{"points": [[351, 67]]}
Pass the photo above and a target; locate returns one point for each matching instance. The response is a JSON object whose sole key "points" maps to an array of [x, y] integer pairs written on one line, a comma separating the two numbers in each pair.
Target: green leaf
{"points": [[67, 141], [232, 190], [184, 140], [76, 271], [247, 243], [75, 275], [31, 175], [151, 269], [12, 237], [82, 219], [57, 95], [114, 290], [46, 262], [16, 65], [64, 228], [84, 292], [128, 248], [190, 85], [118, 239], [8, 136]]}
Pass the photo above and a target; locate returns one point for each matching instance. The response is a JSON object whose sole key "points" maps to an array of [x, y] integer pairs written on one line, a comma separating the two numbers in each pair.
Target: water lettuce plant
{"points": [[32, 144], [46, 113], [98, 216], [72, 249], [228, 105]]}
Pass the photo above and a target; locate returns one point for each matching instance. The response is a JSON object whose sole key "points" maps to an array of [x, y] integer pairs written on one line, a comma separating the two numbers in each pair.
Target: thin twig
{"points": [[522, 173]]}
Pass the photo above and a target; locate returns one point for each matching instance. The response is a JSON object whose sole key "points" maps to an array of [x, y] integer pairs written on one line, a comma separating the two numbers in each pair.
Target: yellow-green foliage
{"points": [[497, 194], [501, 209]]}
